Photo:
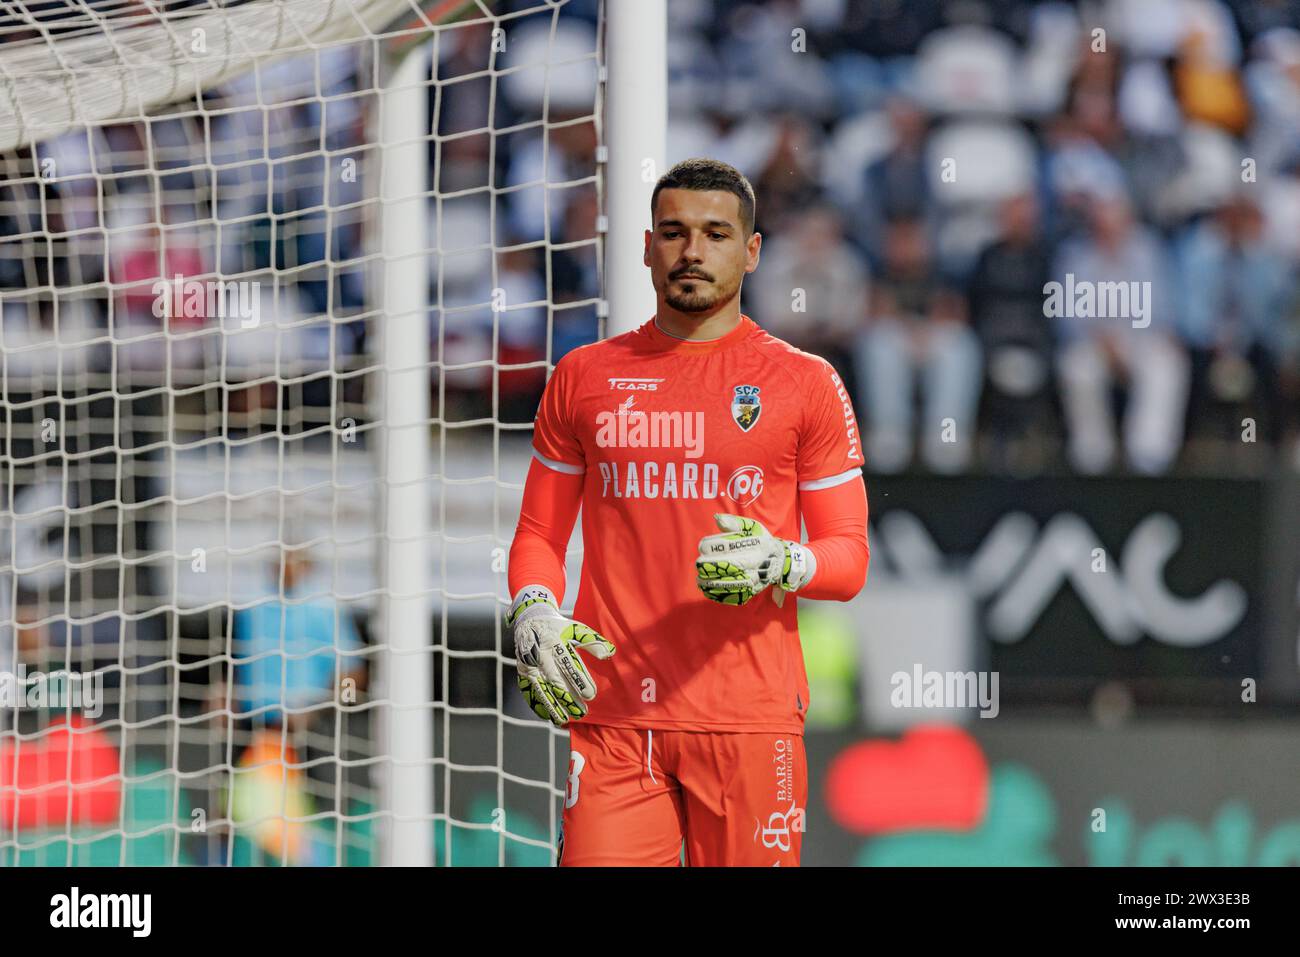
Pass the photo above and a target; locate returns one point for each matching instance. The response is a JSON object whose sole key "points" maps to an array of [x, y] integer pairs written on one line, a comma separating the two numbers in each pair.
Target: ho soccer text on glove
{"points": [[553, 679], [737, 563]]}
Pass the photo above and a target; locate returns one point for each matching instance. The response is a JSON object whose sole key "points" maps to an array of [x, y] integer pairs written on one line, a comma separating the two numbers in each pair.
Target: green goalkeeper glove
{"points": [[552, 677], [745, 558]]}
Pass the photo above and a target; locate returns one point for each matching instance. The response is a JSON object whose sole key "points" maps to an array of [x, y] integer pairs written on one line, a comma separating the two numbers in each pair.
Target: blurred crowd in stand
{"points": [[925, 173]]}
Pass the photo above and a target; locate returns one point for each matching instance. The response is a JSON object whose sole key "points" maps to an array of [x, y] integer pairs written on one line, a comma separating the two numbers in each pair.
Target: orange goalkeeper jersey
{"points": [[666, 432]]}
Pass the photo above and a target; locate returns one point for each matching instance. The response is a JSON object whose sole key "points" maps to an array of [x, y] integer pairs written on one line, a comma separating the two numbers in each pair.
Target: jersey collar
{"points": [[661, 341]]}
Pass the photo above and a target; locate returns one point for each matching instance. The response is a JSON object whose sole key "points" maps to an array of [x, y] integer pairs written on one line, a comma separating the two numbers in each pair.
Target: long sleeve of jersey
{"points": [[836, 519], [550, 507], [832, 493]]}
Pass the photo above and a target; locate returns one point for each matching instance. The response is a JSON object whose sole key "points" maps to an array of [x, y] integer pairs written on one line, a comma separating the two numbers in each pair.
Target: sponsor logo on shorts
{"points": [[776, 833], [783, 759]]}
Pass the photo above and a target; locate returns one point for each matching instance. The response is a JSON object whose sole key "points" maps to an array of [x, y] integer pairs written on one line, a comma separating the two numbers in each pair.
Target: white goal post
{"points": [[272, 273]]}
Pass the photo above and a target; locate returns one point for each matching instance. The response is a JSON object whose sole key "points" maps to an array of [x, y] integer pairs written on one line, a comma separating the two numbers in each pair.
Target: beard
{"points": [[702, 298]]}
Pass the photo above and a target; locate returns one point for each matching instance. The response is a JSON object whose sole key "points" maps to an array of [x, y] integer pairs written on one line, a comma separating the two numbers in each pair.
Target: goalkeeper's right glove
{"points": [[744, 558], [552, 677]]}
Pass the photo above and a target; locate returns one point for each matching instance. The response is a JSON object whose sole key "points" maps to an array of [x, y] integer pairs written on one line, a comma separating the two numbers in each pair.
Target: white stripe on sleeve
{"points": [[814, 484], [558, 466]]}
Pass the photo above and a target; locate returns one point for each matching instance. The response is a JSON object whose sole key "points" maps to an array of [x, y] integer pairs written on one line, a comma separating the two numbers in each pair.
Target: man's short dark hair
{"points": [[707, 174]]}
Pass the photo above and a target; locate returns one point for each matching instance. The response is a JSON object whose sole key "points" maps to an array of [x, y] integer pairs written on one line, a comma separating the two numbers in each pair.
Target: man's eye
{"points": [[718, 235]]}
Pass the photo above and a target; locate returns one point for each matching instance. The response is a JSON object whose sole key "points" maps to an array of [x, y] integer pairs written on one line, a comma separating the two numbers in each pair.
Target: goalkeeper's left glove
{"points": [[553, 679], [745, 558]]}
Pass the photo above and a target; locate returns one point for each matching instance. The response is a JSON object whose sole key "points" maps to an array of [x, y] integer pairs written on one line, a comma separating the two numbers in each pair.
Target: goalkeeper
{"points": [[693, 446]]}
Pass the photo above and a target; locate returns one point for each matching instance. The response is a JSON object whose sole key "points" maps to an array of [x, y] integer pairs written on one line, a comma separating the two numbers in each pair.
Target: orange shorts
{"points": [[635, 797]]}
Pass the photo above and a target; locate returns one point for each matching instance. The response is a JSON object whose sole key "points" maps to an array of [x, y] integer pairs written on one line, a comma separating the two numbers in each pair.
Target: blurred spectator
{"points": [[1083, 142], [1273, 81], [295, 670], [543, 165], [811, 288], [1052, 46], [141, 253], [521, 334], [286, 650], [42, 636], [1236, 286], [887, 30], [759, 75], [1255, 18], [788, 180], [967, 68], [973, 165], [1101, 353], [41, 341], [917, 329], [574, 278], [1006, 309], [1205, 72], [1079, 172], [898, 184]]}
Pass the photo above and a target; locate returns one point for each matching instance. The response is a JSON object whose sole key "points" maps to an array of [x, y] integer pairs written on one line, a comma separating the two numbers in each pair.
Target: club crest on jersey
{"points": [[745, 406]]}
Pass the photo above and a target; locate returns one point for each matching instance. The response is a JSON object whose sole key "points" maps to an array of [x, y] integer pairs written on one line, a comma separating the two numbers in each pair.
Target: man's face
{"points": [[294, 567], [1020, 218], [1111, 221], [697, 251]]}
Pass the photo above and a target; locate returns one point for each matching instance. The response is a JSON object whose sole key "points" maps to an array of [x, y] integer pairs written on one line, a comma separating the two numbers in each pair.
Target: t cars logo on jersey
{"points": [[745, 484], [625, 384], [745, 406]]}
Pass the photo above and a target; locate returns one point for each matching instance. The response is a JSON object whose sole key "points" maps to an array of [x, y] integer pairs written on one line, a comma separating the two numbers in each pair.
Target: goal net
{"points": [[280, 284]]}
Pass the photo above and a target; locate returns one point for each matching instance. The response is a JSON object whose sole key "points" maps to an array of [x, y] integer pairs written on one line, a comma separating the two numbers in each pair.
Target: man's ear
{"points": [[753, 246], [645, 257]]}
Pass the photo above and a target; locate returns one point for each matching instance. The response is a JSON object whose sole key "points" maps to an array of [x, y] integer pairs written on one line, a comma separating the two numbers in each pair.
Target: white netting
{"points": [[103, 62], [191, 483]]}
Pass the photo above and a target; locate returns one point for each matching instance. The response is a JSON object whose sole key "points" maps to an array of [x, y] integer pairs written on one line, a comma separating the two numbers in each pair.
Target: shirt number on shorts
{"points": [[576, 763]]}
